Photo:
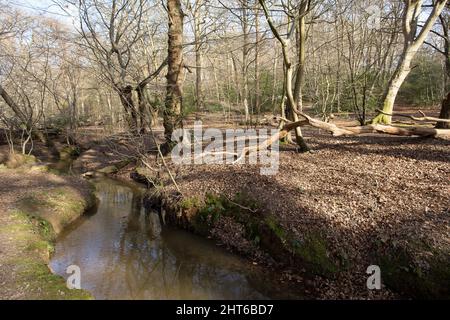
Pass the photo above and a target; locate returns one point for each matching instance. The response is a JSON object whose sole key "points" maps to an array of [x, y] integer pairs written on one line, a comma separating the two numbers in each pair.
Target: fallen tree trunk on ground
{"points": [[375, 128], [424, 117], [346, 131], [340, 131]]}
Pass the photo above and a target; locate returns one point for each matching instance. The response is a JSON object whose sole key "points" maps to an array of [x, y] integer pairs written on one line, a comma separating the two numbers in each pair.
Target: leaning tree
{"points": [[413, 11], [306, 120]]}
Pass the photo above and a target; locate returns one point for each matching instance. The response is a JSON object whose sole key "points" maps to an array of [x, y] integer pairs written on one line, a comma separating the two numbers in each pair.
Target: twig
{"points": [[164, 161], [240, 206]]}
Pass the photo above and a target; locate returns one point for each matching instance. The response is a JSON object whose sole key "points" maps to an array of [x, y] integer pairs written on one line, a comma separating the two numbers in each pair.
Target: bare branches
{"points": [[147, 80]]}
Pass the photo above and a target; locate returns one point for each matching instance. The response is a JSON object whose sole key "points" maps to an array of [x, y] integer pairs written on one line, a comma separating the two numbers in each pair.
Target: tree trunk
{"points": [[245, 51], [198, 82], [126, 97], [110, 108], [299, 79], [275, 79], [142, 110], [412, 43], [257, 84], [174, 100], [292, 107], [444, 114], [198, 57], [236, 80], [395, 83], [301, 51], [12, 104], [445, 109], [302, 146]]}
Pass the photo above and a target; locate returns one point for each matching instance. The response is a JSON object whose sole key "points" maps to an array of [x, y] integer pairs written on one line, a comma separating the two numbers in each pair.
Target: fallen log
{"points": [[341, 131], [424, 117], [376, 128]]}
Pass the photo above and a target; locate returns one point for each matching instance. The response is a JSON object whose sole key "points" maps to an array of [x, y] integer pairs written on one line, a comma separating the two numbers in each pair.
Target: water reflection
{"points": [[125, 253]]}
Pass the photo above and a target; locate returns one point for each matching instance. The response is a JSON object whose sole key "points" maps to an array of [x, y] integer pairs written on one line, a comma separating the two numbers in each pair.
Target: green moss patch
{"points": [[263, 230], [69, 152], [428, 280], [33, 238], [43, 285], [189, 203], [18, 160], [58, 207], [313, 250]]}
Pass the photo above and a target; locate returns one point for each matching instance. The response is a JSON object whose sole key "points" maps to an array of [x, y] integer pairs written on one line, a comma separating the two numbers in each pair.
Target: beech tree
{"points": [[413, 40]]}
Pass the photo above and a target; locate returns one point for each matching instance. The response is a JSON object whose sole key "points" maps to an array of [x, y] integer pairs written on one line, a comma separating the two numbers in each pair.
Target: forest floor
{"points": [[354, 201], [322, 219], [354, 192], [35, 206]]}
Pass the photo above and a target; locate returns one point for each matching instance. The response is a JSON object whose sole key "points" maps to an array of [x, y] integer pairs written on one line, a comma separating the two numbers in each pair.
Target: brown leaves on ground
{"points": [[356, 190]]}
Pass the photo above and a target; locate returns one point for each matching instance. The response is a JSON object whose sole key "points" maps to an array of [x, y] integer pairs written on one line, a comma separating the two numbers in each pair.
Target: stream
{"points": [[126, 252]]}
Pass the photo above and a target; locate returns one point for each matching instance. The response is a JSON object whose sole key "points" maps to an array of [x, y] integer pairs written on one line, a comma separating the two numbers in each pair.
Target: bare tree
{"points": [[412, 42], [285, 43], [198, 11], [112, 31]]}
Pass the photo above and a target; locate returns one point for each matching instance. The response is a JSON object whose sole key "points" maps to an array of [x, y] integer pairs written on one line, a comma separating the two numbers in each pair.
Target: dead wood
{"points": [[424, 117]]}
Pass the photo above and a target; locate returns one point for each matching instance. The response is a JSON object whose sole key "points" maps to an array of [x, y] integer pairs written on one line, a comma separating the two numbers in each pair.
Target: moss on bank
{"points": [[45, 285], [69, 152], [18, 160], [34, 238], [59, 206], [262, 229], [310, 250], [429, 280], [34, 221]]}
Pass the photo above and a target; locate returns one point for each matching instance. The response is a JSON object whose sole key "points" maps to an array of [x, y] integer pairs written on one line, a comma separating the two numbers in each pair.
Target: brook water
{"points": [[125, 252]]}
